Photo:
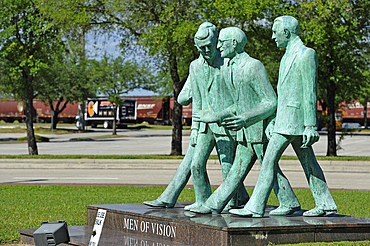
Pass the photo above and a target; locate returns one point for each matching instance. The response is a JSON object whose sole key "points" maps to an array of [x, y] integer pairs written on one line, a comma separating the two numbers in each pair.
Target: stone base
{"points": [[138, 224]]}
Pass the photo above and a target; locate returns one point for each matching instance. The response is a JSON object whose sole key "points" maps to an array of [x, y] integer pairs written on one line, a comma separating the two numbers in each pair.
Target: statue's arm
{"points": [[185, 96], [309, 66], [262, 87], [196, 103]]}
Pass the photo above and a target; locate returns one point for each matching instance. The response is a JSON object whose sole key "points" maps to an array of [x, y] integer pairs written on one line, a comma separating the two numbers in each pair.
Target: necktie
{"points": [[230, 65]]}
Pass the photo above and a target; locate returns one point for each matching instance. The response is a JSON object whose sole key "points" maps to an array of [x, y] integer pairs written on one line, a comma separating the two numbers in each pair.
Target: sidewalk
{"points": [[167, 164]]}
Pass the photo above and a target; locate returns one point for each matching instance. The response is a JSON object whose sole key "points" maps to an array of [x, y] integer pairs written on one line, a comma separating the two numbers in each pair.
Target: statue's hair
{"points": [[290, 23], [237, 34]]}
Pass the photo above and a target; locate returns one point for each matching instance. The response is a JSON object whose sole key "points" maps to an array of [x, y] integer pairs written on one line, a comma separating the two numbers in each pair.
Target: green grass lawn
{"points": [[26, 206]]}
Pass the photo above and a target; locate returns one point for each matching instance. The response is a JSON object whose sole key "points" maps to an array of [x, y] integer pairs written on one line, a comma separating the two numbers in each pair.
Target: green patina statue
{"points": [[210, 94], [254, 100], [204, 72], [295, 123]]}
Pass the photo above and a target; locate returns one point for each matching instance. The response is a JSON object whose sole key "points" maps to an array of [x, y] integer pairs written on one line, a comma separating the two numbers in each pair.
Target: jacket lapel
{"points": [[238, 73], [288, 64], [289, 61]]}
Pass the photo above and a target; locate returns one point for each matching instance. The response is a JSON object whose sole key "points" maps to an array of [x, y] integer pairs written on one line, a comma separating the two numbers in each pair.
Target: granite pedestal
{"points": [[138, 224]]}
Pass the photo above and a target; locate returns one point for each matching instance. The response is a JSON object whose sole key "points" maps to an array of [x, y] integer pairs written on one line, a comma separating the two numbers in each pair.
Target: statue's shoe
{"points": [[191, 206], [245, 213], [159, 204], [282, 210], [203, 210], [316, 212]]}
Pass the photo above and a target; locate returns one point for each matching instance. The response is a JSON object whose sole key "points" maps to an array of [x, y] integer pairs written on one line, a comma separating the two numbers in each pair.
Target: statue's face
{"points": [[207, 47], [225, 46], [279, 35]]}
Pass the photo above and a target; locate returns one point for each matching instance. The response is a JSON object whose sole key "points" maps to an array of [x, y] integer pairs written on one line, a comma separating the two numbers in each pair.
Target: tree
{"points": [[26, 38], [65, 81], [117, 76], [164, 30]]}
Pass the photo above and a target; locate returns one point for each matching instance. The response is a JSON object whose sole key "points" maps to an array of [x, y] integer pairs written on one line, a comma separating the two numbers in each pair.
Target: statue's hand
{"points": [[194, 137], [233, 123], [269, 129], [310, 136]]}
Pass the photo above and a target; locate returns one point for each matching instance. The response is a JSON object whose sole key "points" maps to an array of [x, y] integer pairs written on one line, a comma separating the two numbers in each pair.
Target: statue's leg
{"points": [[181, 177], [315, 177], [202, 187], [226, 148], [244, 160], [257, 203], [281, 186]]}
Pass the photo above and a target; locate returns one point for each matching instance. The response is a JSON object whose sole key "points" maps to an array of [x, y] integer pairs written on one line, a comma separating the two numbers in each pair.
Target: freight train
{"points": [[154, 110], [12, 110]]}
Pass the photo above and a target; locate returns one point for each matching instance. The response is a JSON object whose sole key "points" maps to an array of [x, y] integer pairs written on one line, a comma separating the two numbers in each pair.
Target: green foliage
{"points": [[27, 37], [117, 76], [66, 80]]}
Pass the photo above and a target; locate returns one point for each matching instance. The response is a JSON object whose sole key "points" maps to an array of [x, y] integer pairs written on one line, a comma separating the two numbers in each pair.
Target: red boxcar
{"points": [[157, 110], [11, 110]]}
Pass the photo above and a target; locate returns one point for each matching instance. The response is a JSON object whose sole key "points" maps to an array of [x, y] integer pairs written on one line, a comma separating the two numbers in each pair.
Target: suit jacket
{"points": [[209, 93], [254, 98], [297, 90]]}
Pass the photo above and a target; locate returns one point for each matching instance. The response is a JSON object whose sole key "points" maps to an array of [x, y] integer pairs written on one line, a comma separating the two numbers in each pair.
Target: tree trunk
{"points": [[332, 144], [365, 111], [55, 119], [81, 103], [31, 140], [176, 144], [81, 115], [114, 121]]}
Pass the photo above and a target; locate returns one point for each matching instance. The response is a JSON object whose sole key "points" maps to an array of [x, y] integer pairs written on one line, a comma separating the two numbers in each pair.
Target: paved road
{"points": [[135, 142]]}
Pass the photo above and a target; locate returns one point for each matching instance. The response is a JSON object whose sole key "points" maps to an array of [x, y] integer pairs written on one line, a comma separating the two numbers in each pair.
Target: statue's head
{"points": [[284, 29], [206, 39], [231, 42]]}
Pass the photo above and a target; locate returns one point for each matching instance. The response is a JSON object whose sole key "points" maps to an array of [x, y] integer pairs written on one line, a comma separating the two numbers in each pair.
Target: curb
{"points": [[167, 164]]}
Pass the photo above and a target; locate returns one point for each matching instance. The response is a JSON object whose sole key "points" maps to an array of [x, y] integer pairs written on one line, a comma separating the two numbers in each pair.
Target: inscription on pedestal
{"points": [[135, 241], [154, 228]]}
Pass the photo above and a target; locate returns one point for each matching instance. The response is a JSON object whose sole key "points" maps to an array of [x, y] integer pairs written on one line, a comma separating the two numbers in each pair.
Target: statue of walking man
{"points": [[295, 123]]}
